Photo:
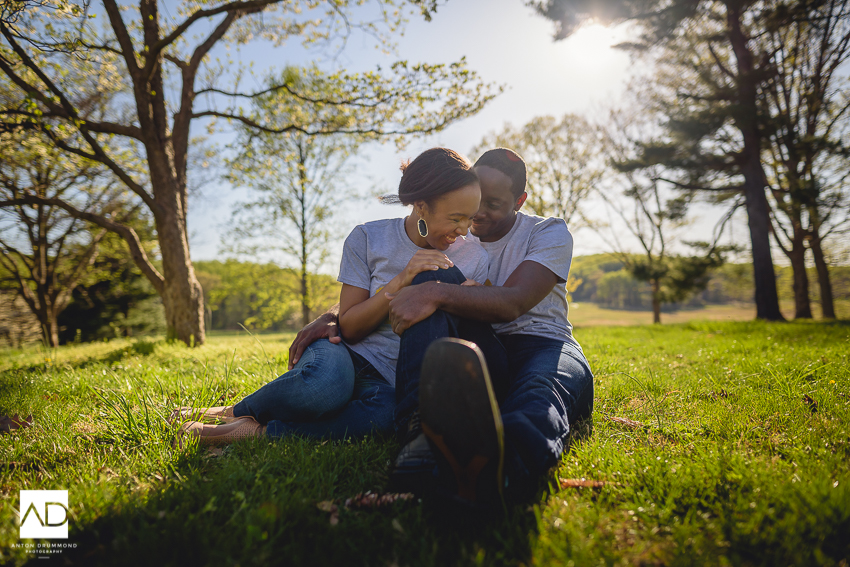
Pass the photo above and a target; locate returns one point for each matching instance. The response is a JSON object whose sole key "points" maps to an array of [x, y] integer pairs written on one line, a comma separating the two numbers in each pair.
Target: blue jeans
{"points": [[332, 392], [549, 386], [415, 341]]}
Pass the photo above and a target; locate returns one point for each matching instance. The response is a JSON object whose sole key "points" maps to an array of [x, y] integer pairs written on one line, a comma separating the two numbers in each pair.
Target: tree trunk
{"points": [[758, 219], [182, 297], [656, 301], [305, 297], [797, 255], [826, 304], [51, 329]]}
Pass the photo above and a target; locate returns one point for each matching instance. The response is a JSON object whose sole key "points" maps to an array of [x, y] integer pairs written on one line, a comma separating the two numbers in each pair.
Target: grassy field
{"points": [[592, 315], [715, 443]]}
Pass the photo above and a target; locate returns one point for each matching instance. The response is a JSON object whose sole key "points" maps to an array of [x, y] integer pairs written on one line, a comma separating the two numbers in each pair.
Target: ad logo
{"points": [[44, 514]]}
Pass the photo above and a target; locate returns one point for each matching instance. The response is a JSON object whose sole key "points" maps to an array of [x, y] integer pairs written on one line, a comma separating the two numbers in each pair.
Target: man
{"points": [[475, 449]]}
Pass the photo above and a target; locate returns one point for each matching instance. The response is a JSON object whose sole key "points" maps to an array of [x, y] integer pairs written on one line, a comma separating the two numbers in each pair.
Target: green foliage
{"points": [[259, 296], [564, 163], [114, 300], [620, 290], [725, 462]]}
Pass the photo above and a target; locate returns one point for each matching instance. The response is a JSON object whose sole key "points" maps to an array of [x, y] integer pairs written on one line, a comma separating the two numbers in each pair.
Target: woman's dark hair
{"points": [[433, 173], [508, 162]]}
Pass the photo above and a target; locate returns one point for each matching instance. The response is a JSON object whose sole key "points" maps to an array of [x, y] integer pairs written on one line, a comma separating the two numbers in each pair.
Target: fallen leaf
{"points": [[813, 405], [333, 509], [626, 421], [326, 506], [215, 451], [11, 423]]}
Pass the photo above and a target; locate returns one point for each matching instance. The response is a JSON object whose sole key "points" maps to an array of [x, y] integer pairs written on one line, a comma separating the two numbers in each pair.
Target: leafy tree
{"points": [[562, 157], [114, 298], [298, 184], [655, 216], [48, 252], [714, 124], [161, 82], [806, 155]]}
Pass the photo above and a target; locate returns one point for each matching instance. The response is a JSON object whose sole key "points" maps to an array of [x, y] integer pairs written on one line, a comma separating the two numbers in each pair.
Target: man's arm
{"points": [[527, 286], [326, 326]]}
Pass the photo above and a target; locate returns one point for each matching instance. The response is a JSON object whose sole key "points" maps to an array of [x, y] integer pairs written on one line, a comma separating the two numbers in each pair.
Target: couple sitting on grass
{"points": [[460, 344]]}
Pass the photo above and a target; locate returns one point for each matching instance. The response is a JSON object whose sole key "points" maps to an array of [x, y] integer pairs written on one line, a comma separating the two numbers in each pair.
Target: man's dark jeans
{"points": [[543, 385]]}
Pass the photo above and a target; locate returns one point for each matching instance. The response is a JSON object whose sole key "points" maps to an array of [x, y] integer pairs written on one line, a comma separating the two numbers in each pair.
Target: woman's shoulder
{"points": [[467, 247], [378, 228]]}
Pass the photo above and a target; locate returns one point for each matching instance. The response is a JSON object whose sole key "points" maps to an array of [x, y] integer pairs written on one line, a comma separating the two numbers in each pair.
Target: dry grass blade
{"points": [[630, 423], [583, 483]]}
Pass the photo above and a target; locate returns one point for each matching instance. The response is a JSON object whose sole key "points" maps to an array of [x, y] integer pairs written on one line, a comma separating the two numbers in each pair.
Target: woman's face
{"points": [[450, 215]]}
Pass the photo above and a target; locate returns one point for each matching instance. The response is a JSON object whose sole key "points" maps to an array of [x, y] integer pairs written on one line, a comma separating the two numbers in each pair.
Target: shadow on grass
{"points": [[258, 504]]}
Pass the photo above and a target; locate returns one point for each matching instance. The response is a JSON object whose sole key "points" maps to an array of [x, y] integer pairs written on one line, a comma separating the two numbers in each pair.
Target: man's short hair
{"points": [[508, 162]]}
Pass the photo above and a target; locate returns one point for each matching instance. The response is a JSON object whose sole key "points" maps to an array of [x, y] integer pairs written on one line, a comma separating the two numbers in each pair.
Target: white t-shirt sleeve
{"points": [[551, 246], [354, 266]]}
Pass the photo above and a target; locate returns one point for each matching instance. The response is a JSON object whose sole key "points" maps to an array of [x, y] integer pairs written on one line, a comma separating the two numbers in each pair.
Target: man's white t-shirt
{"points": [[376, 252], [548, 242]]}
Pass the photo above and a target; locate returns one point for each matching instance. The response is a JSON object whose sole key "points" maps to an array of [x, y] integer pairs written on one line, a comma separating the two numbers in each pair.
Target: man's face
{"points": [[497, 213]]}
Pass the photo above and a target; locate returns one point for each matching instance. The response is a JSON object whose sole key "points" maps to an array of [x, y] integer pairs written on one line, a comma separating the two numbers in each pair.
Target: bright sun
{"points": [[589, 55]]}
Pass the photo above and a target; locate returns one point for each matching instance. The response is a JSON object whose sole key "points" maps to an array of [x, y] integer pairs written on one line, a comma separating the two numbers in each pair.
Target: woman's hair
{"points": [[508, 162], [433, 173]]}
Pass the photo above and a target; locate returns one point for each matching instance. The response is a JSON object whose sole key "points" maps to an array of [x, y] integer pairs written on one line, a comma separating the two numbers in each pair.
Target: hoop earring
{"points": [[422, 227]]}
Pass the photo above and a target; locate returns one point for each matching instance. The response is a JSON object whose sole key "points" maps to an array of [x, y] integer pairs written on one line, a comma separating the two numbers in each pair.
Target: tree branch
{"points": [[126, 232]]}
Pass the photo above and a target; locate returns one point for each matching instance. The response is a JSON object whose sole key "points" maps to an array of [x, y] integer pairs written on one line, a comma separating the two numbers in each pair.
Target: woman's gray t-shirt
{"points": [[548, 242], [376, 252]]}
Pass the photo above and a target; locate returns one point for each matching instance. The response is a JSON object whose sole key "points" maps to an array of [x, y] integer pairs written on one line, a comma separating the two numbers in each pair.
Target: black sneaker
{"points": [[461, 418], [413, 469]]}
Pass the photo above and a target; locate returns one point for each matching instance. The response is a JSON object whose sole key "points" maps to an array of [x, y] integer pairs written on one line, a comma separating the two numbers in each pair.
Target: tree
{"points": [[48, 252], [298, 184], [161, 82], [719, 69], [806, 157], [654, 213], [114, 299], [562, 158]]}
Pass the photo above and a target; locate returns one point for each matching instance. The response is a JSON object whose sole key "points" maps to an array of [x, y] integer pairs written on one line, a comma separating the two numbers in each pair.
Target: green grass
{"points": [[728, 465], [586, 314]]}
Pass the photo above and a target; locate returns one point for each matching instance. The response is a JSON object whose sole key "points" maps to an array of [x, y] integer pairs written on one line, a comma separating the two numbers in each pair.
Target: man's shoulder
{"points": [[533, 226]]}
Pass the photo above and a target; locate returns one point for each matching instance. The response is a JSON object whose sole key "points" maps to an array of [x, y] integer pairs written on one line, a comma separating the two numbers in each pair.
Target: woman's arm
{"points": [[360, 314]]}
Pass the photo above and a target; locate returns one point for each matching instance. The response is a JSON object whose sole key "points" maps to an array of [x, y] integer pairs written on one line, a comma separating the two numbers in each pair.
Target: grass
{"points": [[736, 454], [586, 314]]}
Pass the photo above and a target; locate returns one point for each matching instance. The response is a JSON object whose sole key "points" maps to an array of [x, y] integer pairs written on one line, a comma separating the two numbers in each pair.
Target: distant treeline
{"points": [[260, 296], [601, 279]]}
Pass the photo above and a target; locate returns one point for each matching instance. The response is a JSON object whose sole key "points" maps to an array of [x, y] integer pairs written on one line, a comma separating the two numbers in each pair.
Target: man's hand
{"points": [[325, 327], [411, 305]]}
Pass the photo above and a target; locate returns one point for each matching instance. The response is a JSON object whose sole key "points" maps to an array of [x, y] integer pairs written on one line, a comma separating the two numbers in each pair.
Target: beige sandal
{"points": [[221, 413], [240, 428]]}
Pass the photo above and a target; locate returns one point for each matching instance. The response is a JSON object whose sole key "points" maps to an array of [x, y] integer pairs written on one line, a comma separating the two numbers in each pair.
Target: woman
{"points": [[347, 389]]}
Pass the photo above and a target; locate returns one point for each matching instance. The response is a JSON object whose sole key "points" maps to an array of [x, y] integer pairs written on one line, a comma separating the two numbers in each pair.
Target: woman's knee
{"points": [[452, 275]]}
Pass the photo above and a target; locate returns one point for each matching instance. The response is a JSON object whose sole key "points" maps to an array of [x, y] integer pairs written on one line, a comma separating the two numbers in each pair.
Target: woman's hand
{"points": [[422, 261]]}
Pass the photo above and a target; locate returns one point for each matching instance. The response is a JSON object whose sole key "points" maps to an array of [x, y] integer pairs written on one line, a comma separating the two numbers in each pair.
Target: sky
{"points": [[506, 43]]}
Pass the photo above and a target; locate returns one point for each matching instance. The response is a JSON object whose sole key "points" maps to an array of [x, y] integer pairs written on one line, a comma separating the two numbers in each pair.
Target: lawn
{"points": [[713, 443]]}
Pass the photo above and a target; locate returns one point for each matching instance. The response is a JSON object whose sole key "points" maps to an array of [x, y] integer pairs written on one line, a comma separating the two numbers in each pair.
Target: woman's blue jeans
{"points": [[543, 386], [332, 392]]}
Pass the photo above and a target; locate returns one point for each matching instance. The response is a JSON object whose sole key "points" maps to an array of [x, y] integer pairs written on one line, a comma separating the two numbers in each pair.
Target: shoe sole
{"points": [[459, 412]]}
